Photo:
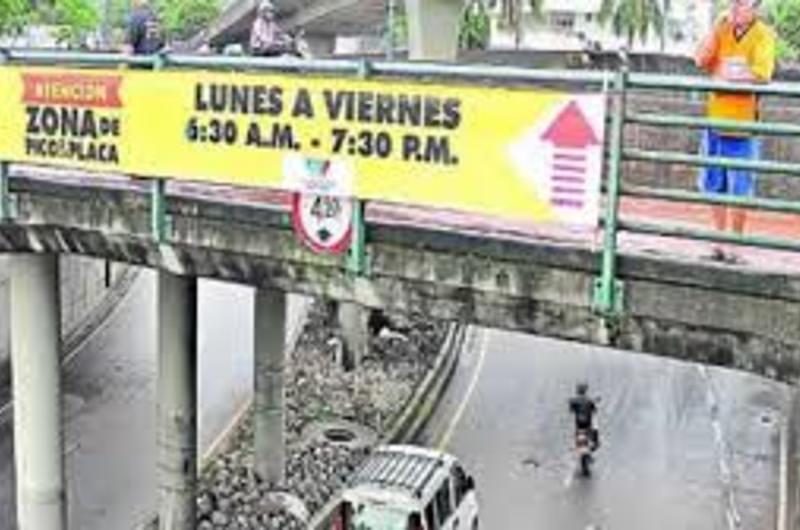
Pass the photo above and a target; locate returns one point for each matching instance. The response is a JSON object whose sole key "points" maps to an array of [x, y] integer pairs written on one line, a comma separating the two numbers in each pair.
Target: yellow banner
{"points": [[485, 150]]}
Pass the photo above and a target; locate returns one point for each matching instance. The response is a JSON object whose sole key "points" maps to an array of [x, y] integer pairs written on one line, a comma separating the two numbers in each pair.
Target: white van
{"points": [[403, 487]]}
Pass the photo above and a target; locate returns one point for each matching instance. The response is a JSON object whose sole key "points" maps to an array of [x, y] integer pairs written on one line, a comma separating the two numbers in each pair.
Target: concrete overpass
{"points": [[323, 20], [738, 317], [471, 270]]}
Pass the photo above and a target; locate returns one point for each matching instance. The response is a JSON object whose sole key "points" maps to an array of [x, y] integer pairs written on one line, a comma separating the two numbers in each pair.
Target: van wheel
{"points": [[475, 524]]}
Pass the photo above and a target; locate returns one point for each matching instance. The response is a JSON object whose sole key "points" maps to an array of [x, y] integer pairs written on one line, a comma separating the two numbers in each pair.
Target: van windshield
{"points": [[374, 517]]}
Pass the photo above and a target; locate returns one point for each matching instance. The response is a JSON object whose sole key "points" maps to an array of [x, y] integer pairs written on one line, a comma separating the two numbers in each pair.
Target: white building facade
{"points": [[575, 25]]}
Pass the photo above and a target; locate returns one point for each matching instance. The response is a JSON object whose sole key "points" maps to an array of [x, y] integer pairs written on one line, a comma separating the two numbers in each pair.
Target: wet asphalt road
{"points": [[109, 400], [684, 447]]}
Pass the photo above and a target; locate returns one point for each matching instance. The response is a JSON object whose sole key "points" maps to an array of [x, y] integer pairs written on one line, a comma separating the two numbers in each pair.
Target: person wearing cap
{"points": [[267, 39], [739, 49]]}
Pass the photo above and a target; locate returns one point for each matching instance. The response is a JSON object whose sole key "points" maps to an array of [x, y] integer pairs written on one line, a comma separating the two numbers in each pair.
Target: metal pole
{"points": [[390, 23], [177, 400], [357, 255], [5, 196], [270, 360], [105, 33], [158, 209], [36, 383], [607, 298]]}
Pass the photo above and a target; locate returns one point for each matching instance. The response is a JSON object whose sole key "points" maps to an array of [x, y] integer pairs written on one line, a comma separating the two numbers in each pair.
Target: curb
{"points": [[410, 421], [416, 413]]}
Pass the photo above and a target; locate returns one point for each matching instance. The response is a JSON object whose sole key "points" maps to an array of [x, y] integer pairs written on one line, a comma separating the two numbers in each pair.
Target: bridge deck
{"points": [[761, 223], [695, 215]]}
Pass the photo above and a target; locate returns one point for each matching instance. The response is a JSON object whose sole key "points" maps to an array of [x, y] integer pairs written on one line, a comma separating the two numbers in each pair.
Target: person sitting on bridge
{"points": [[741, 48], [584, 408], [145, 34], [267, 39]]}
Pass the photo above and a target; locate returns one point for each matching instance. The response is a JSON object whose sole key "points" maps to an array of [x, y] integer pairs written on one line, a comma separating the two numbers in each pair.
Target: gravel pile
{"points": [[318, 391]]}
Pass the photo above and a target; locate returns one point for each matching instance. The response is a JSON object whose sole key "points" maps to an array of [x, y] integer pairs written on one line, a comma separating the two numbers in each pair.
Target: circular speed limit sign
{"points": [[323, 222]]}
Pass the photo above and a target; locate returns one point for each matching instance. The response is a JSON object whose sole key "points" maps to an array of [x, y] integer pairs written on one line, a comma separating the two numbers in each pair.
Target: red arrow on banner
{"points": [[571, 129], [571, 136]]}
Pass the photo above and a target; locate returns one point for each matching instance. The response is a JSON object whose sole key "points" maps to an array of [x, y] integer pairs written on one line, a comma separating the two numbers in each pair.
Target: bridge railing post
{"points": [[158, 210], [5, 195], [607, 298], [357, 255], [159, 220]]}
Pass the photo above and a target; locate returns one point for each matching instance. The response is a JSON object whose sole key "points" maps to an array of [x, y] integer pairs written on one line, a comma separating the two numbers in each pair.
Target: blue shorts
{"points": [[740, 182]]}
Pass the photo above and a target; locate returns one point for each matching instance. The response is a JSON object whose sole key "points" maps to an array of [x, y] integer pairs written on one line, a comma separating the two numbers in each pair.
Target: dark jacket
{"points": [[145, 33], [584, 410]]}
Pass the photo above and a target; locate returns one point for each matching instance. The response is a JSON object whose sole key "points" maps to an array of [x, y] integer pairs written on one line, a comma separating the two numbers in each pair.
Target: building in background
{"points": [[575, 25]]}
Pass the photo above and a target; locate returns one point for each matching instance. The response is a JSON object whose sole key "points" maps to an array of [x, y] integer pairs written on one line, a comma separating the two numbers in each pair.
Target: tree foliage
{"points": [[184, 18], [474, 29], [784, 16], [76, 20], [13, 15], [634, 19]]}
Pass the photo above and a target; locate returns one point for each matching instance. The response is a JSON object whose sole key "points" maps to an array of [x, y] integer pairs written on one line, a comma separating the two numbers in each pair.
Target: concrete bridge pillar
{"points": [[433, 29], [270, 363], [177, 401], [36, 382], [353, 321]]}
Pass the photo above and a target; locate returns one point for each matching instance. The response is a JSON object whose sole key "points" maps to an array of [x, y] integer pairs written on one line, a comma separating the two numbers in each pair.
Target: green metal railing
{"points": [[608, 290]]}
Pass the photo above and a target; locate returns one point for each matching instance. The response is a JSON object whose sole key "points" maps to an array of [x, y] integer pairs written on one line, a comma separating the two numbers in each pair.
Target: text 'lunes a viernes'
{"points": [[364, 124]]}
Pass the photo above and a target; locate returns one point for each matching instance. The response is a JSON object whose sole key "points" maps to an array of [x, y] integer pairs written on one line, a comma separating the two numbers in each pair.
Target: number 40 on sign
{"points": [[324, 223]]}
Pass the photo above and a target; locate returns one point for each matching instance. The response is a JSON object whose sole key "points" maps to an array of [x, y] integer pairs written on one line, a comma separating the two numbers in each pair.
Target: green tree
{"points": [[784, 16], [13, 15], [634, 18], [475, 27], [76, 20], [184, 18], [181, 19]]}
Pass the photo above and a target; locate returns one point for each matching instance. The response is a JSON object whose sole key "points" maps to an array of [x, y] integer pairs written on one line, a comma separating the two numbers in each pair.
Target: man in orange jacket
{"points": [[740, 48]]}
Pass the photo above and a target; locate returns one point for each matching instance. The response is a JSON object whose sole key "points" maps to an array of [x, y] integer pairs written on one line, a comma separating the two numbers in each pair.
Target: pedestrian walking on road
{"points": [[739, 49]]}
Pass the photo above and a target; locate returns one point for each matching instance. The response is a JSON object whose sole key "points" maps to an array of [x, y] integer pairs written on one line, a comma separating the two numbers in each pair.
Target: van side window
{"points": [[459, 484], [443, 506], [429, 517]]}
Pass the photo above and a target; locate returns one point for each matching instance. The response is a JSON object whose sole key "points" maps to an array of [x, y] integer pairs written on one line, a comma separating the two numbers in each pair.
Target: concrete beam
{"points": [[177, 401], [269, 377], [433, 29], [524, 285], [36, 382]]}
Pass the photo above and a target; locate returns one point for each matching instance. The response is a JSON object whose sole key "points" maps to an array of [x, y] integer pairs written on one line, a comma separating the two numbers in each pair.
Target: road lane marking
{"points": [[444, 441], [727, 473]]}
